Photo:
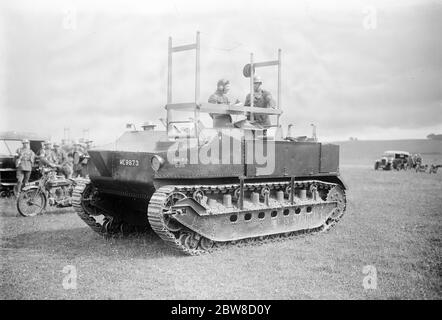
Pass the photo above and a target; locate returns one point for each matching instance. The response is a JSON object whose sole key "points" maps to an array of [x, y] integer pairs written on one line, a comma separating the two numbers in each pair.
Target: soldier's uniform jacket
{"points": [[262, 99], [219, 98], [220, 119], [59, 157], [47, 157], [25, 159], [78, 158]]}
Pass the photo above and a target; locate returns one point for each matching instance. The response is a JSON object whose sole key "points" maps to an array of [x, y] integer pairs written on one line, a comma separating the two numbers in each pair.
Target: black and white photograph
{"points": [[220, 155]]}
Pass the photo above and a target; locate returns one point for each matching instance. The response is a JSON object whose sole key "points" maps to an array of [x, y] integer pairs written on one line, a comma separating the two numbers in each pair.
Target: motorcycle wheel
{"points": [[31, 202]]}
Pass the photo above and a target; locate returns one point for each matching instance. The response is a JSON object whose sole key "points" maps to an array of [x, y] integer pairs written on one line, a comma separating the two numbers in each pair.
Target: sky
{"points": [[365, 69]]}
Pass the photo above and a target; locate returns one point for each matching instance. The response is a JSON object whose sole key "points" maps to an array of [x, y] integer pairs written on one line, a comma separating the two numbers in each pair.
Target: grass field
{"points": [[393, 222]]}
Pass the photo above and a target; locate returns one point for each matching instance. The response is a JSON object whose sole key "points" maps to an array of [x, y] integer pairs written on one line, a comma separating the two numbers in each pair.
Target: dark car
{"points": [[393, 160], [10, 141]]}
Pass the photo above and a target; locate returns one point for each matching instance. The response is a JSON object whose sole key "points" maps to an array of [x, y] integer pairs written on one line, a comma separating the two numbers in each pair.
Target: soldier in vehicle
{"points": [[262, 99], [24, 160], [46, 156], [220, 97]]}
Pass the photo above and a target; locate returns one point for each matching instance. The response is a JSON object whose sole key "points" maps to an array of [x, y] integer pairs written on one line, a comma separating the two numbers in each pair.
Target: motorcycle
{"points": [[51, 189]]}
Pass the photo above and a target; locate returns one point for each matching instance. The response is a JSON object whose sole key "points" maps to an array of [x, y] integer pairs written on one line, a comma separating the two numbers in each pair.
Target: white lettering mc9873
{"points": [[129, 163]]}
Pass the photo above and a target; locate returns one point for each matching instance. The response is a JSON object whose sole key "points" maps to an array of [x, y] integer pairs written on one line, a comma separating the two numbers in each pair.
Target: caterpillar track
{"points": [[82, 202], [188, 240]]}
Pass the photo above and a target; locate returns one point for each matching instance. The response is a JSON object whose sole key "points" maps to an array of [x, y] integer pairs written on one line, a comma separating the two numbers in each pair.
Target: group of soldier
{"points": [[262, 99], [414, 160], [70, 164]]}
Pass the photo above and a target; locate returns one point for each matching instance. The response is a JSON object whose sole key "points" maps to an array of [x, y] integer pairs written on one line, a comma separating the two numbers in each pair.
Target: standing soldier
{"points": [[410, 162], [262, 99], [24, 160], [417, 161], [78, 156], [88, 145]]}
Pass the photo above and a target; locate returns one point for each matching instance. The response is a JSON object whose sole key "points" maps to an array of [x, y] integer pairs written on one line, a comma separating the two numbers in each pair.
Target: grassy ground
{"points": [[393, 223]]}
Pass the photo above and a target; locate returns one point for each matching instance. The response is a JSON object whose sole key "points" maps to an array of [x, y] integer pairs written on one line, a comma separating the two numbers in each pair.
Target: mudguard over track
{"points": [[83, 204], [271, 216], [267, 220]]}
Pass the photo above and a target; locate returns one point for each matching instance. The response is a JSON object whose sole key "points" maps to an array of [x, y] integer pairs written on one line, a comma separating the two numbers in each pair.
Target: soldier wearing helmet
{"points": [[78, 156], [46, 156], [220, 97], [60, 159], [88, 145], [262, 99], [24, 159]]}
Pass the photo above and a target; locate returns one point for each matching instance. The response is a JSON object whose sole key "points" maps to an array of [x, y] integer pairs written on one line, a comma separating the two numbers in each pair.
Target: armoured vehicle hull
{"points": [[197, 208], [203, 190]]}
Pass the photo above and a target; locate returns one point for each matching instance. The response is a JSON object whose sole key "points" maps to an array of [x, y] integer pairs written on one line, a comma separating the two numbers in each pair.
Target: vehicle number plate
{"points": [[129, 163]]}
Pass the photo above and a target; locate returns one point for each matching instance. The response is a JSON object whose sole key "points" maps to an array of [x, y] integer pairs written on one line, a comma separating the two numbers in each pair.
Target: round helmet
{"points": [[223, 82], [25, 141], [257, 79]]}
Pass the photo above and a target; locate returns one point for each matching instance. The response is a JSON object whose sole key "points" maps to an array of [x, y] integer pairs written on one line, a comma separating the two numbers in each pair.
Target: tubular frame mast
{"points": [[252, 89], [266, 64], [279, 84], [193, 46], [198, 107]]}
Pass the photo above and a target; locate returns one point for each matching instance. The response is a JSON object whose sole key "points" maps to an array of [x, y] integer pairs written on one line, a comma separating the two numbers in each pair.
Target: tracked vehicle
{"points": [[204, 189]]}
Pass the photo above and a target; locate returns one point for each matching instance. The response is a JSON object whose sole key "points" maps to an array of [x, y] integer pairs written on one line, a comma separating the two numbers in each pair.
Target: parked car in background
{"points": [[10, 141], [396, 160]]}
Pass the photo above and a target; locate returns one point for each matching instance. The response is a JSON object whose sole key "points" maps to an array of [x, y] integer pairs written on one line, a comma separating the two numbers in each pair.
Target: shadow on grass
{"points": [[82, 242]]}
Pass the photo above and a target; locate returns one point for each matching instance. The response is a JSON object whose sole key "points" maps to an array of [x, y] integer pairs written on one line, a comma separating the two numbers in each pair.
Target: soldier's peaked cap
{"points": [[25, 141]]}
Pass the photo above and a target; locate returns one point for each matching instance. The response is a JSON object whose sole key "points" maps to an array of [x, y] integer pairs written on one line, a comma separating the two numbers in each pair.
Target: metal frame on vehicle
{"points": [[197, 106]]}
